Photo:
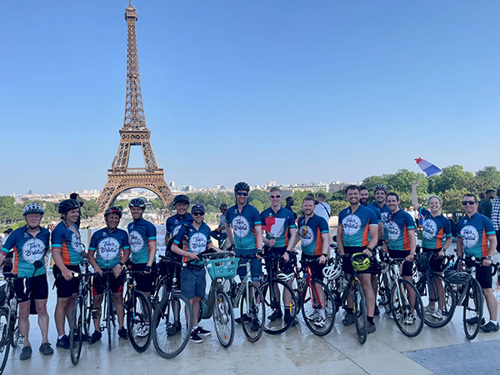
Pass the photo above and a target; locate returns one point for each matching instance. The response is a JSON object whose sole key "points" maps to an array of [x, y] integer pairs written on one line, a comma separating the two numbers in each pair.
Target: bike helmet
{"points": [[332, 272], [286, 276], [241, 186], [423, 262], [33, 208], [456, 277], [379, 187], [181, 198], [113, 210], [68, 205], [137, 202], [360, 261]]}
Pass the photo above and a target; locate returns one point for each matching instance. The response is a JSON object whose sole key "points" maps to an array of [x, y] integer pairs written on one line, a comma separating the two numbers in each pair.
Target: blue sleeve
{"points": [[373, 218], [323, 226], [228, 217], [180, 235], [167, 227], [93, 242], [291, 219], [424, 212], [256, 217], [57, 237], [447, 227], [151, 232], [341, 216], [488, 226], [410, 223], [126, 244], [263, 217], [10, 243], [460, 225]]}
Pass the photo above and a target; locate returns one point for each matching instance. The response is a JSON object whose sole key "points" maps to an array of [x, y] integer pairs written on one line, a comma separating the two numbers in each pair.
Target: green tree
{"points": [[403, 179], [487, 178], [452, 200], [371, 181], [337, 206], [258, 195], [89, 209], [452, 177]]}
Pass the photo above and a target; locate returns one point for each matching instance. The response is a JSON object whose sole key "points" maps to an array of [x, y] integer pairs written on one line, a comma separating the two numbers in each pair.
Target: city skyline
{"points": [[261, 91]]}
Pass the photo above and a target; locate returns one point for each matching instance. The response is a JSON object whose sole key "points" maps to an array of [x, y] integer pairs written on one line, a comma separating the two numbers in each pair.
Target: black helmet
{"points": [[137, 202], [223, 206], [68, 205], [456, 277], [379, 187], [33, 208], [181, 198], [423, 262], [113, 210], [241, 186]]}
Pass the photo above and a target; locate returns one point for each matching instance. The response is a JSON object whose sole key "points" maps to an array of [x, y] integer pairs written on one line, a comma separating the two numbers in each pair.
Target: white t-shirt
{"points": [[323, 209]]}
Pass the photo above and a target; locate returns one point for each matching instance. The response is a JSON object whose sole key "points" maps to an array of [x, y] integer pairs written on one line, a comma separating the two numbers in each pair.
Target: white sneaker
{"points": [[410, 319], [314, 315], [142, 331], [320, 322], [438, 314], [430, 309]]}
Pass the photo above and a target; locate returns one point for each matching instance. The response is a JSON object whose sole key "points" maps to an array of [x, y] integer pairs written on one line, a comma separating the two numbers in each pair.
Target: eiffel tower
{"points": [[133, 133]]}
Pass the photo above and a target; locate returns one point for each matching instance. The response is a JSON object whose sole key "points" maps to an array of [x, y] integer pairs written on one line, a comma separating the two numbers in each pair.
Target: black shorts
{"points": [[483, 274], [145, 282], [36, 287], [407, 266], [316, 268], [435, 263], [347, 264], [66, 288], [274, 250], [115, 284]]}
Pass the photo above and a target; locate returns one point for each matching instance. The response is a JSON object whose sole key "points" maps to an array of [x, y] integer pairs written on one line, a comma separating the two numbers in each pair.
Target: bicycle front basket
{"points": [[222, 268]]}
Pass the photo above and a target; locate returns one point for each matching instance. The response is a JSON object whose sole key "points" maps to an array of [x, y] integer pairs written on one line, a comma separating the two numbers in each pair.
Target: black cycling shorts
{"points": [[36, 286], [316, 268], [437, 262], [115, 284], [483, 274], [407, 266], [66, 288], [145, 282]]}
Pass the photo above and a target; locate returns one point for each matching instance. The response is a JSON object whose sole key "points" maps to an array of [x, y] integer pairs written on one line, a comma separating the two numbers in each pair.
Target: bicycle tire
{"points": [[15, 335], [402, 309], [76, 331], [309, 306], [88, 304], [109, 312], [139, 314], [384, 292], [272, 304], [223, 317], [5, 340], [252, 305], [168, 344], [360, 311], [473, 309], [449, 303]]}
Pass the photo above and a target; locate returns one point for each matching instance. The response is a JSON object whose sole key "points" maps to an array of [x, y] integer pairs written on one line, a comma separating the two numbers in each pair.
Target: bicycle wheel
{"points": [[449, 302], [15, 335], [109, 313], [76, 331], [252, 307], [223, 317], [384, 292], [138, 321], [173, 323], [359, 309], [5, 339], [276, 308], [409, 317], [473, 310], [318, 310], [87, 310]]}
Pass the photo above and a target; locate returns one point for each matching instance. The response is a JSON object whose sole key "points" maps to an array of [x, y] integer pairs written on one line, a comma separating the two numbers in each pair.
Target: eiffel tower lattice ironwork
{"points": [[133, 133]]}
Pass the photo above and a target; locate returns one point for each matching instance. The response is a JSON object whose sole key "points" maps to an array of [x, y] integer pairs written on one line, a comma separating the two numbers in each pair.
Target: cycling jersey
{"points": [[398, 225], [310, 234], [175, 222], [109, 246], [141, 233], [435, 230], [69, 242], [277, 225], [243, 224], [197, 240], [384, 215], [474, 232], [356, 225], [27, 250]]}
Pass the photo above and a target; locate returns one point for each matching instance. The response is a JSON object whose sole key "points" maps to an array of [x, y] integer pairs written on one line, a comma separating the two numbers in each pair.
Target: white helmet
{"points": [[332, 272], [286, 276]]}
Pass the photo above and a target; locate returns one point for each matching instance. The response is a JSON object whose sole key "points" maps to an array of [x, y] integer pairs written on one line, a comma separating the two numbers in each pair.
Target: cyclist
{"points": [[436, 238], [243, 228], [476, 237], [67, 252], [193, 276], [380, 194], [401, 242], [30, 243], [358, 233], [219, 233], [314, 236], [279, 225], [109, 250]]}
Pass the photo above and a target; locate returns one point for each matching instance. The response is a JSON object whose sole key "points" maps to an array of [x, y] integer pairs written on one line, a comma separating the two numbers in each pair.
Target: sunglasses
{"points": [[242, 193], [465, 203], [275, 196], [198, 213]]}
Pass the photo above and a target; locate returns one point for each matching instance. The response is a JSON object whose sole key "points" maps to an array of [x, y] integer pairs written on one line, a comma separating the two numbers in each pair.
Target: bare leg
{"points": [[24, 321], [43, 319]]}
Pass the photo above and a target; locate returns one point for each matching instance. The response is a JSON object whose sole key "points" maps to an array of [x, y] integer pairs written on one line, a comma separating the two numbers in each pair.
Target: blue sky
{"points": [[292, 91]]}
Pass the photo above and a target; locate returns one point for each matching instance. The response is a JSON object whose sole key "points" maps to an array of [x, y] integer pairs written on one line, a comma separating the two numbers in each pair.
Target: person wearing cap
{"points": [[67, 252], [109, 250], [495, 216], [220, 232], [29, 244], [194, 238]]}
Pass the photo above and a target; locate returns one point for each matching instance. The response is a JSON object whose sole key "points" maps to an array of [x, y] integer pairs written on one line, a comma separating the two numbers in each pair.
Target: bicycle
{"points": [[139, 314], [426, 284], [248, 296], [171, 327], [273, 288]]}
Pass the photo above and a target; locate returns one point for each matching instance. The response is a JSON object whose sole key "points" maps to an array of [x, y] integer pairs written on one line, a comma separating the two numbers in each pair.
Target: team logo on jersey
{"points": [[109, 248], [385, 217], [197, 242], [33, 250], [393, 231], [136, 241], [75, 243], [306, 235], [351, 225], [470, 236], [240, 226], [429, 229], [176, 230]]}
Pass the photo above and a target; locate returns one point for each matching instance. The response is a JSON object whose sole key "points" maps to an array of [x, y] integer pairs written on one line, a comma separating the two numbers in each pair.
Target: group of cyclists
{"points": [[369, 231]]}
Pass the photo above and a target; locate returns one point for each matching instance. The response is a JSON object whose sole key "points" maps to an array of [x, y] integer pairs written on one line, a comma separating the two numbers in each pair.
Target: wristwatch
{"points": [[489, 257], [121, 264], [325, 255], [369, 249]]}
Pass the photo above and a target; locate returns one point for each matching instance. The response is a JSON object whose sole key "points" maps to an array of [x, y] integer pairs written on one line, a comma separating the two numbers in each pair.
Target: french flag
{"points": [[428, 168]]}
